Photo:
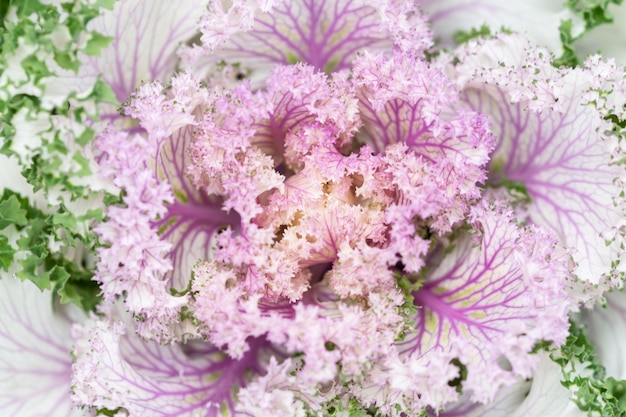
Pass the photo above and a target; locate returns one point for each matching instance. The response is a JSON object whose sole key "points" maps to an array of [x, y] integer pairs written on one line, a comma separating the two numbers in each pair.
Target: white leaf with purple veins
{"points": [[506, 289], [35, 359], [551, 139], [324, 34], [114, 368], [146, 37]]}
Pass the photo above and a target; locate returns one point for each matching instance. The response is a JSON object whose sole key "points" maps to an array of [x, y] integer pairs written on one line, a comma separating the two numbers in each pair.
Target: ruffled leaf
{"points": [[553, 139], [299, 96], [320, 329], [193, 219], [133, 259], [114, 369], [434, 154], [326, 34], [585, 376], [492, 301], [11, 212], [174, 222]]}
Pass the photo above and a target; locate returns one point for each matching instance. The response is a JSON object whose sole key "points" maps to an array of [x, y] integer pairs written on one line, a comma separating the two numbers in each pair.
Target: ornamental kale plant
{"points": [[310, 208]]}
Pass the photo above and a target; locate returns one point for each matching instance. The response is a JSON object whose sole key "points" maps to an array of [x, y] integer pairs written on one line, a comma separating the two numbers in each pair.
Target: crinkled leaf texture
{"points": [[35, 360], [552, 139], [488, 302], [114, 368], [358, 335], [406, 101], [325, 34], [134, 259], [543, 396], [299, 96], [59, 113], [167, 224]]}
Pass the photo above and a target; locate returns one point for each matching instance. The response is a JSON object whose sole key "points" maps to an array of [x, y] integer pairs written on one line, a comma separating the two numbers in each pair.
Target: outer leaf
{"points": [[35, 360], [146, 36], [34, 245], [143, 41], [593, 13], [538, 19], [27, 7], [607, 331], [32, 271], [491, 301], [116, 369], [325, 34], [552, 138], [607, 39], [543, 396], [39, 132]]}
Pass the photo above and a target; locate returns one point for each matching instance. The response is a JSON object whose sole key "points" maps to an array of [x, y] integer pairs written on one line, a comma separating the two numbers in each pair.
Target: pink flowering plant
{"points": [[310, 208]]}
